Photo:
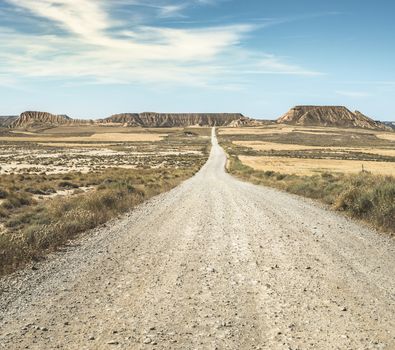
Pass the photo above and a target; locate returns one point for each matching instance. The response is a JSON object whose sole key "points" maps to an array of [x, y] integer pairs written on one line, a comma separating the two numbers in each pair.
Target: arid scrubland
{"points": [[352, 170], [54, 186]]}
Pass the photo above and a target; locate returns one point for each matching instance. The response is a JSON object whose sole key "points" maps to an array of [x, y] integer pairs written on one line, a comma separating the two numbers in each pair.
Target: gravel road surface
{"points": [[215, 263]]}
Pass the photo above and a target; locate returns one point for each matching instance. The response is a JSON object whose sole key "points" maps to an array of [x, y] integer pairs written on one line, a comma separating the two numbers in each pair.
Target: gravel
{"points": [[215, 263]]}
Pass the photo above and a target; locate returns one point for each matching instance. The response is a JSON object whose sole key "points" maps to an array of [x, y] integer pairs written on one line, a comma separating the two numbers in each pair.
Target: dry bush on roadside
{"points": [[364, 195], [36, 228]]}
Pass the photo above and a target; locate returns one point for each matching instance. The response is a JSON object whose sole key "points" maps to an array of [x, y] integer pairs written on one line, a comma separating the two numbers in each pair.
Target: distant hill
{"points": [[336, 116], [34, 119], [390, 124], [152, 119], [7, 120]]}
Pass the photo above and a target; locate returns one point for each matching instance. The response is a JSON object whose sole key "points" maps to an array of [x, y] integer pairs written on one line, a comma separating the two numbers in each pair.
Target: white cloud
{"points": [[86, 42], [84, 17]]}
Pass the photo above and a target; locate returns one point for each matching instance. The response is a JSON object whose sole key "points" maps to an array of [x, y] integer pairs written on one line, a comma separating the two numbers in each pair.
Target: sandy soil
{"points": [[78, 145], [105, 137], [214, 264], [300, 166], [70, 130]]}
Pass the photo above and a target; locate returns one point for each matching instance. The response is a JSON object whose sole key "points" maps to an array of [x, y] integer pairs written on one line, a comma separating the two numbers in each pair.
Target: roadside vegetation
{"points": [[362, 195], [34, 227], [40, 212]]}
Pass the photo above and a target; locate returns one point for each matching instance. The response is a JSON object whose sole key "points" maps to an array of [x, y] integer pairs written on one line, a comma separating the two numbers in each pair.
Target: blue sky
{"points": [[93, 58]]}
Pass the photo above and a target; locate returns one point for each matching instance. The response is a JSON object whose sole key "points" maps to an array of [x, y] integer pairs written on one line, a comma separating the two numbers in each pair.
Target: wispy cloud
{"points": [[270, 64], [84, 41]]}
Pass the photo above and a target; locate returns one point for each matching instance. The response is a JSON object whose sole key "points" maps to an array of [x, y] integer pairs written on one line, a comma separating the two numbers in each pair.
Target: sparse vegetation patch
{"points": [[40, 209], [363, 194]]}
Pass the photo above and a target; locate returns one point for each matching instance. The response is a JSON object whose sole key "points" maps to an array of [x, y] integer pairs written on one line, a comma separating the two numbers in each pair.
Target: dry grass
{"points": [[255, 130], [34, 228], [321, 163], [386, 136], [269, 146], [363, 195], [307, 151], [42, 208], [299, 166], [287, 129], [275, 129], [175, 150]]}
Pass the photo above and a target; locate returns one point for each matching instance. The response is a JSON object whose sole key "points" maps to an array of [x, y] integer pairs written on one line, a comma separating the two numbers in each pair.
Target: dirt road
{"points": [[214, 264]]}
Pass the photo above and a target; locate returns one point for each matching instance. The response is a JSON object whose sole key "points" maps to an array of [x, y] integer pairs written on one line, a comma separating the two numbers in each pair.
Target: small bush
{"points": [[269, 173], [280, 177], [67, 185], [17, 201]]}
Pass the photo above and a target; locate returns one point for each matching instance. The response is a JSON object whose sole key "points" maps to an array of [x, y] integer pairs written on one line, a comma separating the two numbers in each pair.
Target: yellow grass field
{"points": [[387, 136], [98, 137], [286, 129], [256, 131], [268, 146], [276, 129], [299, 166]]}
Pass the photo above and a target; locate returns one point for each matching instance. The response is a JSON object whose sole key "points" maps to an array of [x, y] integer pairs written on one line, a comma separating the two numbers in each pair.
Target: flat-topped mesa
{"points": [[31, 119], [152, 119], [336, 116]]}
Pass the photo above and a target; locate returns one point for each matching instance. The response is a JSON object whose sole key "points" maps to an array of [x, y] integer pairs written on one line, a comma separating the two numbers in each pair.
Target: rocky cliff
{"points": [[151, 119], [34, 119], [337, 116], [7, 120]]}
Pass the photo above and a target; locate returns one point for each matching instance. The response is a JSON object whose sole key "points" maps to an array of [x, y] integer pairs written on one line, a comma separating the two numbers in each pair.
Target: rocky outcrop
{"points": [[390, 124], [337, 116], [34, 119], [122, 118], [7, 120], [151, 119]]}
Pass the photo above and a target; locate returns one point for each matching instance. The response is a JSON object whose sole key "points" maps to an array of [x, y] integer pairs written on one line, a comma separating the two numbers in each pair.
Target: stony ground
{"points": [[214, 264]]}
